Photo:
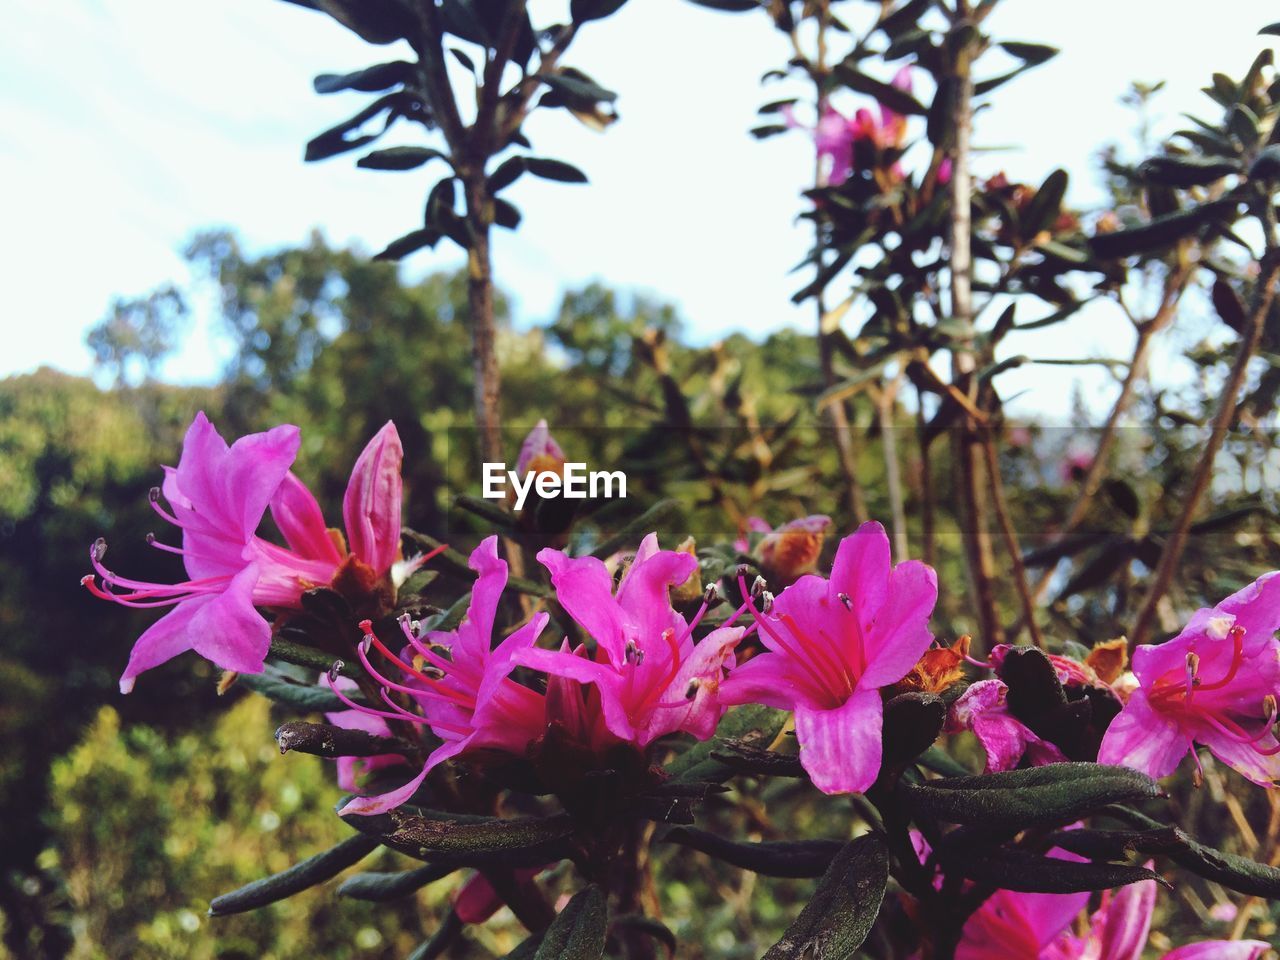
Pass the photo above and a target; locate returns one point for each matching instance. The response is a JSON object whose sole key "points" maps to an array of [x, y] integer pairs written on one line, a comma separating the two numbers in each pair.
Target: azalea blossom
{"points": [[467, 698], [217, 496], [832, 644], [1216, 684], [651, 677], [540, 453], [790, 551], [1007, 740]]}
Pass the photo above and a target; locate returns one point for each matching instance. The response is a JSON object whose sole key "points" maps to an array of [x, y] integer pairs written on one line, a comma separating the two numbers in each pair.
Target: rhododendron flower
{"points": [[476, 900], [218, 495], [1215, 683], [540, 453], [467, 699], [651, 677], [793, 549], [1004, 737], [832, 644]]}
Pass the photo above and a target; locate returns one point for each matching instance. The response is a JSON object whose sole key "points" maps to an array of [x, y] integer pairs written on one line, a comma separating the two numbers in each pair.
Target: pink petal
{"points": [[371, 507], [1256, 608], [298, 516], [539, 443], [584, 588], [840, 748], [162, 641], [861, 570], [1143, 739], [610, 683], [900, 634], [1220, 950], [1246, 759], [700, 715], [487, 590], [1123, 924], [229, 631], [644, 595], [771, 679], [368, 806]]}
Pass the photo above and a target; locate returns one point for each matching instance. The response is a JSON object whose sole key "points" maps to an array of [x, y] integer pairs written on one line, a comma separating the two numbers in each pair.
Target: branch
{"points": [[1172, 554]]}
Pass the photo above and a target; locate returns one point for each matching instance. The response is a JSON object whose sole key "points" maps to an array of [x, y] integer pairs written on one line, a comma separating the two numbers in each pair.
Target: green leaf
{"points": [[767, 130], [912, 722], [382, 887], [301, 876], [486, 836], [399, 158], [1045, 206], [554, 170], [751, 723], [1042, 796], [302, 656], [335, 140], [729, 6], [300, 696], [411, 242], [1125, 498], [436, 946], [508, 172], [505, 214], [578, 86], [1030, 53], [897, 100], [1186, 171], [837, 919], [1162, 231], [773, 858], [461, 18], [1271, 29], [1235, 872], [379, 77], [1027, 872], [486, 510], [584, 11], [578, 931], [375, 21]]}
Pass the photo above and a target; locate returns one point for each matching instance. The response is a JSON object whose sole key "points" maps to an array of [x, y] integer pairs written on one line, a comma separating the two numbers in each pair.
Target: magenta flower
{"points": [[651, 677], [1216, 683], [832, 644], [217, 496], [790, 551], [467, 698], [1005, 738]]}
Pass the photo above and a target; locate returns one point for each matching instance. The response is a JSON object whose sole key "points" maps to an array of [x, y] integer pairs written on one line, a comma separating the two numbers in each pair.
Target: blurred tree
{"points": [[136, 335]]}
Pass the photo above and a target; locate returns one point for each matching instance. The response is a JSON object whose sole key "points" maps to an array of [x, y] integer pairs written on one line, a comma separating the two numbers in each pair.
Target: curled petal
{"points": [[371, 507]]}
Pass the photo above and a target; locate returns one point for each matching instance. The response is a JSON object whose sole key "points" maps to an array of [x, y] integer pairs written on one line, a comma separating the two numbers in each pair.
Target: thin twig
{"points": [[1010, 538]]}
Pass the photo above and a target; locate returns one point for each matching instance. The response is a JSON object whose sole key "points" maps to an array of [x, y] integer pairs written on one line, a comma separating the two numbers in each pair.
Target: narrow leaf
{"points": [[837, 919], [399, 158], [578, 931], [382, 887], [897, 100], [301, 876], [773, 858], [375, 79], [554, 170]]}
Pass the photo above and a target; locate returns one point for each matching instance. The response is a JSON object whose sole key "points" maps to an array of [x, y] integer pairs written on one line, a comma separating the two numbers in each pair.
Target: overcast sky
{"points": [[127, 125]]}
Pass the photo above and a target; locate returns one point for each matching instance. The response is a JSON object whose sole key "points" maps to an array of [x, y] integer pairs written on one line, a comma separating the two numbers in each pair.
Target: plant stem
{"points": [[1010, 538]]}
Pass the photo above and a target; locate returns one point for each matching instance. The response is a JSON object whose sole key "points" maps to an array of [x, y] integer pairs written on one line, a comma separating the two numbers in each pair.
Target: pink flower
{"points": [[832, 644], [1005, 739], [793, 549], [651, 677], [218, 496], [1118, 930], [540, 452], [1019, 926], [467, 699], [1216, 683], [476, 900]]}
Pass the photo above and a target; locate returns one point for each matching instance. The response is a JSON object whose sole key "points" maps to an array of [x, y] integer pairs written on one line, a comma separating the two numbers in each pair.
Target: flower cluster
{"points": [[636, 661]]}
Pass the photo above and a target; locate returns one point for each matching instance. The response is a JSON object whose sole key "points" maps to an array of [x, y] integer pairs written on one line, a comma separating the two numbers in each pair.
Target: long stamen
{"points": [[778, 639], [435, 689], [1237, 659]]}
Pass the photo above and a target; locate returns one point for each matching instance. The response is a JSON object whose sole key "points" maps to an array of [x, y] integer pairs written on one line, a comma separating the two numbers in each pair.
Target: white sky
{"points": [[126, 126]]}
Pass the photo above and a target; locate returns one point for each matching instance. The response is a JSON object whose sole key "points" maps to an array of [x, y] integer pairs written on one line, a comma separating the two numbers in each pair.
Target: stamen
{"points": [[633, 654], [844, 598], [758, 587], [712, 595], [766, 601], [1193, 665], [691, 690], [154, 494], [334, 670]]}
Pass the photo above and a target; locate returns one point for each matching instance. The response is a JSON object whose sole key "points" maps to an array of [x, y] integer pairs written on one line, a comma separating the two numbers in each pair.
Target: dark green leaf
{"points": [[837, 919], [1042, 796], [752, 723], [554, 170], [1186, 171], [649, 926], [508, 172], [773, 858], [584, 11], [912, 722], [729, 6], [382, 887], [462, 20], [1123, 496], [466, 838], [303, 656], [335, 140], [896, 99], [1162, 231], [1271, 29], [379, 77], [767, 130], [578, 931], [375, 21], [301, 696], [444, 938], [1026, 872], [1045, 205], [1031, 53], [411, 242], [399, 158], [301, 876], [578, 87], [505, 214], [463, 59]]}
